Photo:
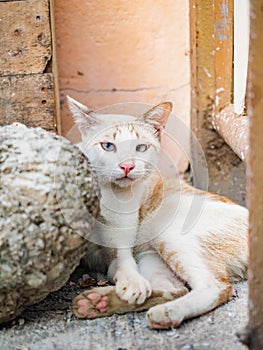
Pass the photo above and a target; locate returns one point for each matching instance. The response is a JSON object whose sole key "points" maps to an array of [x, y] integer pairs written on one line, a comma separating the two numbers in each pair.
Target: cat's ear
{"points": [[83, 116], [158, 115]]}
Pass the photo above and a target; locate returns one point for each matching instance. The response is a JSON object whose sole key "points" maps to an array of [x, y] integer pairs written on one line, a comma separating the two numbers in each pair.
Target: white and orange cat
{"points": [[139, 239]]}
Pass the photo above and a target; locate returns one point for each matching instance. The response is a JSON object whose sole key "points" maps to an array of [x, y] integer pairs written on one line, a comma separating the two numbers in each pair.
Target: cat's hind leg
{"points": [[162, 279], [209, 283], [92, 303], [103, 301], [96, 302], [195, 303], [207, 291]]}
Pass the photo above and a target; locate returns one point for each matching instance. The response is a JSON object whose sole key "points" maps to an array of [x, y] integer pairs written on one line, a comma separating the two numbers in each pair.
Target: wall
{"points": [[124, 51]]}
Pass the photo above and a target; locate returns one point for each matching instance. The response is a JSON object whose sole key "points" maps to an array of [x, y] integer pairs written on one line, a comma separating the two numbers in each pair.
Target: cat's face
{"points": [[121, 148]]}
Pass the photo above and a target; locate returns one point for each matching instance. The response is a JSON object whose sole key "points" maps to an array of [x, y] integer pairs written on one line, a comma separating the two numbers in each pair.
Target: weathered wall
{"points": [[119, 51]]}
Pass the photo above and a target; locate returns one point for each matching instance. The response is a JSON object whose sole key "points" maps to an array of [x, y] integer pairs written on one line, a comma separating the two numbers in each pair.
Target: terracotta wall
{"points": [[124, 50]]}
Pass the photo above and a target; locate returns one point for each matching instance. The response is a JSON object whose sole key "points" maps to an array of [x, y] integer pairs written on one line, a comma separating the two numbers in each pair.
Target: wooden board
{"points": [[223, 53], [28, 99], [25, 40], [255, 173], [55, 69]]}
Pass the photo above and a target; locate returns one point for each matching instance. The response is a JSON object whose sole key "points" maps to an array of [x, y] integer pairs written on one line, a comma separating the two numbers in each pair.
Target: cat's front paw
{"points": [[132, 287]]}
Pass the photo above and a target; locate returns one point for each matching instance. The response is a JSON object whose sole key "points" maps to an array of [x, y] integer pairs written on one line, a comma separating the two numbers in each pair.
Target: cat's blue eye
{"points": [[108, 146], [142, 148]]}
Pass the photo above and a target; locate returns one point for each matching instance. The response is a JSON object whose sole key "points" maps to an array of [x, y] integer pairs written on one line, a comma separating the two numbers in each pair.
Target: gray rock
{"points": [[49, 200]]}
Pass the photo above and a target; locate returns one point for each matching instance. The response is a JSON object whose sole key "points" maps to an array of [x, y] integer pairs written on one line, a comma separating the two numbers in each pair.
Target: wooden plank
{"points": [[25, 40], [223, 51], [241, 51], [202, 65], [226, 170], [255, 174], [28, 99], [55, 69]]}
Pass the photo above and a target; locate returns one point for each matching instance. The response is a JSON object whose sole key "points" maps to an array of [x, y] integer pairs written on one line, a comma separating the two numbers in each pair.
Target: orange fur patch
{"points": [[170, 255], [154, 199], [226, 252], [225, 294], [171, 260], [218, 198], [161, 248]]}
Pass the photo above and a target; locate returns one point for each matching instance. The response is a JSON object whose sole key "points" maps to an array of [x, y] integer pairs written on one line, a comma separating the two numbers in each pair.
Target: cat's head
{"points": [[121, 148]]}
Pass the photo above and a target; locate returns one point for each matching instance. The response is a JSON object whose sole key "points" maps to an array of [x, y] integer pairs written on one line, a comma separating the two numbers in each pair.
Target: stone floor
{"points": [[50, 325]]}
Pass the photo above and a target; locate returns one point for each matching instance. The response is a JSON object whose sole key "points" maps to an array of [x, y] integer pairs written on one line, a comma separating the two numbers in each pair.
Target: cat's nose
{"points": [[127, 167]]}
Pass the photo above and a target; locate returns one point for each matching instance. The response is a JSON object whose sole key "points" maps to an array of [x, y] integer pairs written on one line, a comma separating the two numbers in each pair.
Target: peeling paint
{"points": [[207, 72], [220, 27]]}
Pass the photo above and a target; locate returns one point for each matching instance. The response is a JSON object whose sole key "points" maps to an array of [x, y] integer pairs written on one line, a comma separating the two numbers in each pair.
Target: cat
{"points": [[139, 239]]}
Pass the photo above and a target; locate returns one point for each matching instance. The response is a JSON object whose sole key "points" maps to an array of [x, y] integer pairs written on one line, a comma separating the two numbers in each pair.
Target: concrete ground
{"points": [[50, 325]]}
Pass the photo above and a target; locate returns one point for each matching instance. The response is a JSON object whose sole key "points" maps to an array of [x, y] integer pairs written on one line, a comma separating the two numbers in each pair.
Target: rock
{"points": [[49, 201]]}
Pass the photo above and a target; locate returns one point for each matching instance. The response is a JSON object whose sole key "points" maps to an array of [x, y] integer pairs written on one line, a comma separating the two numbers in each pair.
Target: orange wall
{"points": [[119, 51]]}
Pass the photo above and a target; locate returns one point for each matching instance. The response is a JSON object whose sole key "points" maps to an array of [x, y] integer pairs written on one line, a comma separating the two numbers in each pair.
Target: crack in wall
{"points": [[108, 90], [112, 90]]}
